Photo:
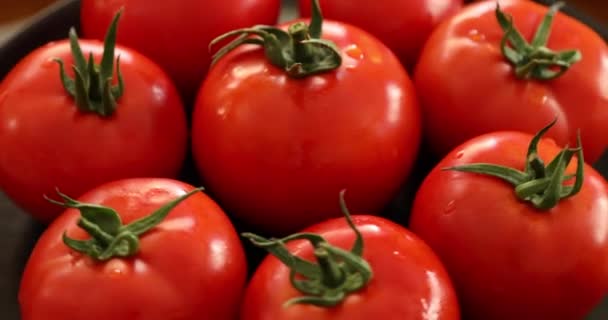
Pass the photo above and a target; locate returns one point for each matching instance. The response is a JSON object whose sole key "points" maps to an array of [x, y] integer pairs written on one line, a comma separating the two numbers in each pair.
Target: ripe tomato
{"points": [[512, 258], [176, 33], [275, 143], [190, 266], [388, 274], [403, 25], [50, 139], [464, 80]]}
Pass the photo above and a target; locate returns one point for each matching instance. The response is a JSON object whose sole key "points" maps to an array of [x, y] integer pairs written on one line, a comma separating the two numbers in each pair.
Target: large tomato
{"points": [[155, 249], [523, 254], [91, 131], [468, 86], [389, 273], [176, 33], [276, 137], [403, 25]]}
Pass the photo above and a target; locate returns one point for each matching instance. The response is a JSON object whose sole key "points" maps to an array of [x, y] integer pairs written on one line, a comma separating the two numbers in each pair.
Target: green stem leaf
{"points": [[542, 186], [316, 20], [337, 273], [300, 51], [544, 30], [77, 54], [278, 249], [143, 225], [580, 169], [82, 91], [331, 271], [507, 174], [90, 89], [67, 82], [107, 60], [117, 92], [535, 60], [109, 237]]}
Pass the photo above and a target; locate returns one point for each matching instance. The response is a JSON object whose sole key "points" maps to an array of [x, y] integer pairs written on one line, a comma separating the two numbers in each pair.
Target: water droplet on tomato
{"points": [[449, 208], [158, 195], [354, 52], [476, 36], [459, 154], [116, 267], [222, 113], [353, 55], [538, 96], [317, 83], [76, 258], [140, 266]]}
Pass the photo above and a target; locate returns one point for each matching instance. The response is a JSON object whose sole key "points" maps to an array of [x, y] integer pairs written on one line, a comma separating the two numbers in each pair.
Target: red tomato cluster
{"points": [[290, 127]]}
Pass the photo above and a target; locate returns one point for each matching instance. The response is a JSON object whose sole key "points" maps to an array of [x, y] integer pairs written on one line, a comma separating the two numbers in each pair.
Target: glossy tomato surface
{"points": [[467, 88], [176, 33], [403, 25], [507, 259], [48, 143], [189, 267], [409, 281], [277, 150]]}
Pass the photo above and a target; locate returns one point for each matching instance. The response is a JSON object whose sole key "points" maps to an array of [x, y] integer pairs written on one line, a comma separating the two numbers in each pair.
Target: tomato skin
{"points": [[190, 267], [276, 151], [464, 81], [407, 274], [47, 142], [508, 260], [176, 34], [393, 22]]}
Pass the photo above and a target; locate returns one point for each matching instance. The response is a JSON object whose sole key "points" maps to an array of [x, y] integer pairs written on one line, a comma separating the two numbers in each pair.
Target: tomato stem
{"points": [[332, 275], [542, 186], [109, 237], [92, 87], [535, 60], [337, 273], [300, 34], [299, 51]]}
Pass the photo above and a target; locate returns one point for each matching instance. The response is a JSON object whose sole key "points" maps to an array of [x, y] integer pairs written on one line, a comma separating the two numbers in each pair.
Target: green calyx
{"points": [[336, 274], [109, 237], [542, 186], [300, 51], [92, 87], [534, 60]]}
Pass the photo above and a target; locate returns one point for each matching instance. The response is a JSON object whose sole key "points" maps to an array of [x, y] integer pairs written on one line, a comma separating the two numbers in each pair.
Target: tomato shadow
{"points": [[190, 175], [601, 312], [602, 165], [20, 233], [399, 209]]}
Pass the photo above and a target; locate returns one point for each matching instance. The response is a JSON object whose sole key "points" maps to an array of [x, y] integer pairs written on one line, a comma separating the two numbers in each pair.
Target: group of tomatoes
{"points": [[293, 127]]}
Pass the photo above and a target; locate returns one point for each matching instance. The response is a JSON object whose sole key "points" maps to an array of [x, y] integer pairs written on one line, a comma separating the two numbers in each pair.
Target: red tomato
{"points": [[275, 149], [408, 281], [48, 141], [467, 87], [403, 25], [508, 259], [191, 266], [176, 33]]}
